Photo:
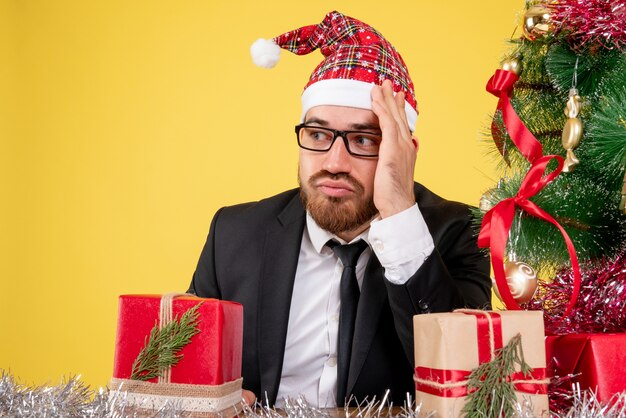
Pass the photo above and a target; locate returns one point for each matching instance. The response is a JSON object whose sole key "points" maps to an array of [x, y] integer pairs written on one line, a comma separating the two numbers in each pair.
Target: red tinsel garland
{"points": [[601, 304], [591, 22]]}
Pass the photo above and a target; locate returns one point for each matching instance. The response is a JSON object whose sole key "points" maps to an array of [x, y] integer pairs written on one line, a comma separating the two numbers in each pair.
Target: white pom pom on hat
{"points": [[265, 53]]}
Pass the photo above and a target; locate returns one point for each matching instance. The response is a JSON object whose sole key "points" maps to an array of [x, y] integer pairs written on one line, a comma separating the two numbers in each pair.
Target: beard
{"points": [[337, 214]]}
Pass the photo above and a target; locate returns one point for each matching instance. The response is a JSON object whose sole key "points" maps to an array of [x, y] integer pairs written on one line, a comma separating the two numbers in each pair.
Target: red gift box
{"points": [[598, 361], [213, 356]]}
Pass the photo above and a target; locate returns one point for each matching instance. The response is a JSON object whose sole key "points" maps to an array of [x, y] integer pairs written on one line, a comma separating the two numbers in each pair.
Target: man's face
{"points": [[338, 188]]}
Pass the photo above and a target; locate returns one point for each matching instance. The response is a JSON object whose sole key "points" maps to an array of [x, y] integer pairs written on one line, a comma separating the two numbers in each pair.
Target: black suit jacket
{"points": [[251, 256]]}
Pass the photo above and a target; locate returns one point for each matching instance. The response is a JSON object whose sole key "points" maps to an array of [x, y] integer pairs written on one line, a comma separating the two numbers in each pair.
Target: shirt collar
{"points": [[319, 237]]}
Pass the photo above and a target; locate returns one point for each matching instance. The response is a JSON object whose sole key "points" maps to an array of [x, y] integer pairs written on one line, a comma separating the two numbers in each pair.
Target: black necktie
{"points": [[349, 294]]}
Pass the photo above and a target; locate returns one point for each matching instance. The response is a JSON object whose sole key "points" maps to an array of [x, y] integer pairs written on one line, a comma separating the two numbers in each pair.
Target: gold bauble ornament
{"points": [[486, 200], [512, 65], [537, 21], [522, 281]]}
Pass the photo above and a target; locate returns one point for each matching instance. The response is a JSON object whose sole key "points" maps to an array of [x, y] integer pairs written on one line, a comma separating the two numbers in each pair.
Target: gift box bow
{"points": [[454, 383]]}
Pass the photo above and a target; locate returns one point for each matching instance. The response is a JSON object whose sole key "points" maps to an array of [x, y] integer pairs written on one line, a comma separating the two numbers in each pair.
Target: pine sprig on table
{"points": [[161, 349], [492, 394]]}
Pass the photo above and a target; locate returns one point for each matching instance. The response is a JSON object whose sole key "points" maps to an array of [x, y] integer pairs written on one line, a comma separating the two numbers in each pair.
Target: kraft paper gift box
{"points": [[448, 346], [206, 381]]}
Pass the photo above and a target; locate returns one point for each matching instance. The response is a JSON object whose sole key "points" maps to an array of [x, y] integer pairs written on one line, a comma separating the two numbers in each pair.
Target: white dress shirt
{"points": [[401, 243]]}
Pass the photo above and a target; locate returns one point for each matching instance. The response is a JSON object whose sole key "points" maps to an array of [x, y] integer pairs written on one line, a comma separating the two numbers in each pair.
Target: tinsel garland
{"points": [[601, 305], [591, 23], [73, 399]]}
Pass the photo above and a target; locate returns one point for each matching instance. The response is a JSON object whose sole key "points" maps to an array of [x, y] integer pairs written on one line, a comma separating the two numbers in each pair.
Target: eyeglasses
{"points": [[315, 138]]}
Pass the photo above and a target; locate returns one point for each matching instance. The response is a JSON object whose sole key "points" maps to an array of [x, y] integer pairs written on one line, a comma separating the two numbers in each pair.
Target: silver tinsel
{"points": [[300, 408], [73, 399], [69, 399], [585, 405]]}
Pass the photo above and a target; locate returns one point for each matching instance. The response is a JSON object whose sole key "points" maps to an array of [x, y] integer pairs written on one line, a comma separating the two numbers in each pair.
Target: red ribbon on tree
{"points": [[501, 86], [496, 225], [497, 222]]}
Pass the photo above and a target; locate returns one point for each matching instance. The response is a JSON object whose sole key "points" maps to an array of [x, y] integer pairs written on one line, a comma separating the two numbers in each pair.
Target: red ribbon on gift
{"points": [[453, 383], [497, 222], [501, 86]]}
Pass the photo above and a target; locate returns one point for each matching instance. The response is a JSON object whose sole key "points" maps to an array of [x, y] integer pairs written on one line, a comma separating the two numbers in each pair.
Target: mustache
{"points": [[324, 174]]}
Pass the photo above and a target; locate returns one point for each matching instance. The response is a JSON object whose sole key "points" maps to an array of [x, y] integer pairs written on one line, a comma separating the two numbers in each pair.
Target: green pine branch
{"points": [[591, 66], [587, 210], [492, 394], [161, 349]]}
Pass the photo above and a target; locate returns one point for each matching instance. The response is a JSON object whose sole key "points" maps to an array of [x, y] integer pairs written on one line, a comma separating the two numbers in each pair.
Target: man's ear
{"points": [[416, 144]]}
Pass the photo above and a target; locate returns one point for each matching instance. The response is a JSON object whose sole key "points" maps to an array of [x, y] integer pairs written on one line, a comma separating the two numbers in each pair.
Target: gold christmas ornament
{"points": [[573, 130], [537, 21], [522, 281], [486, 200], [512, 65]]}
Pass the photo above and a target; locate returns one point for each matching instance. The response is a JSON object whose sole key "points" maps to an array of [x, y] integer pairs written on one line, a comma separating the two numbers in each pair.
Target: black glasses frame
{"points": [[336, 134]]}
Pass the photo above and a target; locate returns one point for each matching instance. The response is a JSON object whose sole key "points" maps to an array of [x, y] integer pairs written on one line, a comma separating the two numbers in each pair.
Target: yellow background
{"points": [[125, 124]]}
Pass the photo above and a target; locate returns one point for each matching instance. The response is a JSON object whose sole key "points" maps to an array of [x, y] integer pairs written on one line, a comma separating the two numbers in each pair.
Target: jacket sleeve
{"points": [[455, 275]]}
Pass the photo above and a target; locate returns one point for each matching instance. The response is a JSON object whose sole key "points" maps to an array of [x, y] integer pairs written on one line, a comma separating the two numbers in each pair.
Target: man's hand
{"points": [[248, 397], [393, 182]]}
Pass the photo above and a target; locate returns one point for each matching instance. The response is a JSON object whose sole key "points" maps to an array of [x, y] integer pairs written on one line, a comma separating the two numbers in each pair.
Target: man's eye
{"points": [[319, 135], [366, 140]]}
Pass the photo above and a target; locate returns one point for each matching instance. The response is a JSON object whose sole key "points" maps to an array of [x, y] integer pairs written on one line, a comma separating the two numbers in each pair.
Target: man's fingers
{"points": [[397, 105], [404, 123], [382, 111], [390, 100], [248, 397], [394, 106]]}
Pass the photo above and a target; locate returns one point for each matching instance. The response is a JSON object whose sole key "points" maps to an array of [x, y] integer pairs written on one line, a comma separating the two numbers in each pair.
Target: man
{"points": [[316, 322]]}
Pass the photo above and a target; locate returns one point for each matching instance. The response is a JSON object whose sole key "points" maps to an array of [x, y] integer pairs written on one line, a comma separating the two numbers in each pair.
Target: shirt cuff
{"points": [[402, 243]]}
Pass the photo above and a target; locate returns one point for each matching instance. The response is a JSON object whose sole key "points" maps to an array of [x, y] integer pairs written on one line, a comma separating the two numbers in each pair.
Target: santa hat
{"points": [[356, 57]]}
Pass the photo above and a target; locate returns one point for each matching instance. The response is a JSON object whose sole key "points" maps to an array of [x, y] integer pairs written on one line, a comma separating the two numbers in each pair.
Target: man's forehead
{"points": [[345, 115]]}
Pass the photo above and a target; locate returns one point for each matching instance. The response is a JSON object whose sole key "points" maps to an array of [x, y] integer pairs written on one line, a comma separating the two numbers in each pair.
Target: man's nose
{"points": [[337, 158]]}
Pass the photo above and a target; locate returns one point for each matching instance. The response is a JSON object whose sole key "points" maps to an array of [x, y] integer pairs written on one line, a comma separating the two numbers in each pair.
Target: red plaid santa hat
{"points": [[356, 57]]}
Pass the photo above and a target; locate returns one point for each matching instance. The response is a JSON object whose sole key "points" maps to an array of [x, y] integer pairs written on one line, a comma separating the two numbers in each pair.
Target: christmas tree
{"points": [[556, 219], [562, 90]]}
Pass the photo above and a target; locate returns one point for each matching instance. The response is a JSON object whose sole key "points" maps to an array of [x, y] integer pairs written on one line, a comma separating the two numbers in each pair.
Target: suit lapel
{"points": [[280, 260], [373, 297]]}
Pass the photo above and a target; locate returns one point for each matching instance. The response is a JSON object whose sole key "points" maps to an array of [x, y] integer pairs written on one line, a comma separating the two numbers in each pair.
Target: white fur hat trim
{"points": [[346, 92]]}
